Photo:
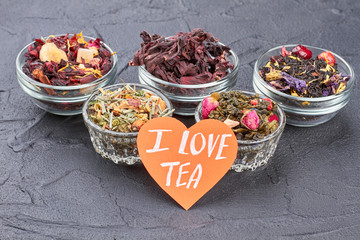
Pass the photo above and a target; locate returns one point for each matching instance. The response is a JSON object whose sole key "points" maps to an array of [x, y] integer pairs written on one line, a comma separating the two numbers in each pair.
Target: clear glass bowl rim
{"points": [[278, 131], [349, 87], [113, 133], [195, 86], [77, 87]]}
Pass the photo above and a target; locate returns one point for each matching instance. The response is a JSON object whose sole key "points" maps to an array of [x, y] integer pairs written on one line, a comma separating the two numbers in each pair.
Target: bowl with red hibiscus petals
{"points": [[257, 122], [310, 84], [186, 67], [60, 72]]}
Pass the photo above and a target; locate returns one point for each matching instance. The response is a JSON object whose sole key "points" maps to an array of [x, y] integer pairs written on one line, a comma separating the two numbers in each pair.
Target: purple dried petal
{"points": [[298, 84]]}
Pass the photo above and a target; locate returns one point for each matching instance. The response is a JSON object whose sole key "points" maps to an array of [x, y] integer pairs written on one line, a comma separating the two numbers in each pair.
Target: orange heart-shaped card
{"points": [[186, 163]]}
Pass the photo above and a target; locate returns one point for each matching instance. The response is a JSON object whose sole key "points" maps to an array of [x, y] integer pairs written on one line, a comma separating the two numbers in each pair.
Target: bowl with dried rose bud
{"points": [[186, 67], [257, 121], [60, 72]]}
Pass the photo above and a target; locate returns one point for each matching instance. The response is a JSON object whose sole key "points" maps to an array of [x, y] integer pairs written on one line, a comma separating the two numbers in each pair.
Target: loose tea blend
{"points": [[67, 61], [296, 73], [250, 117], [187, 58], [126, 109]]}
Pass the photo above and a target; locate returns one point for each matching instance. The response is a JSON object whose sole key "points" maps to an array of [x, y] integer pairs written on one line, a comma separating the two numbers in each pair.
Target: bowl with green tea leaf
{"points": [[257, 122], [186, 67], [115, 114], [310, 84], [60, 72]]}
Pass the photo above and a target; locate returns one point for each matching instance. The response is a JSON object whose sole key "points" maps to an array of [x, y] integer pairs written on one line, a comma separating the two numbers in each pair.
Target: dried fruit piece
{"points": [[209, 104], [250, 119], [86, 54], [328, 57], [50, 52], [302, 52]]}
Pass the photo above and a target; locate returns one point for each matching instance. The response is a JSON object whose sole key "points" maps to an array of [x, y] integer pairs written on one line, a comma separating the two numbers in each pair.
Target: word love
{"points": [[186, 163], [193, 150]]}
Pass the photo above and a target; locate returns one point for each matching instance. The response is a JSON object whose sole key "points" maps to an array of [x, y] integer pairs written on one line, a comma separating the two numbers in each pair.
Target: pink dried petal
{"points": [[209, 104], [134, 102], [231, 123], [95, 43], [254, 102], [284, 52], [250, 120], [273, 118]]}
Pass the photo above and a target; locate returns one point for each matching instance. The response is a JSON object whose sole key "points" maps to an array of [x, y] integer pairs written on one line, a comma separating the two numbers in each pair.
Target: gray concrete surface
{"points": [[54, 186]]}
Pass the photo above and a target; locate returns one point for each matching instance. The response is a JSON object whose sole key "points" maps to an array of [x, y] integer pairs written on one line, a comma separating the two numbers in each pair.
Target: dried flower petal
{"points": [[273, 118], [186, 58], [231, 123], [270, 103], [299, 85], [254, 102]]}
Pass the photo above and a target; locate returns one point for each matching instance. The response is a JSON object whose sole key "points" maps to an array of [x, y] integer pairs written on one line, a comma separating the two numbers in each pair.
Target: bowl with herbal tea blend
{"points": [[60, 72], [258, 123], [309, 83], [186, 67], [114, 115]]}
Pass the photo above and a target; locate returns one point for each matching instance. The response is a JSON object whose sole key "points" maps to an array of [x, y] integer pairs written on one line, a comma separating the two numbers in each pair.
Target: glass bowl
{"points": [[185, 98], [254, 153], [61, 100], [119, 147], [301, 111]]}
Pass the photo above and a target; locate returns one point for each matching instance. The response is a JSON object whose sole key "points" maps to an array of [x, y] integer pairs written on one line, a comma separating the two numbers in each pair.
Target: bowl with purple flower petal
{"points": [[310, 84]]}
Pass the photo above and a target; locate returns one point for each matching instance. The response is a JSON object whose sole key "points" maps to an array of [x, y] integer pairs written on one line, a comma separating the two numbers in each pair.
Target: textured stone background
{"points": [[54, 186]]}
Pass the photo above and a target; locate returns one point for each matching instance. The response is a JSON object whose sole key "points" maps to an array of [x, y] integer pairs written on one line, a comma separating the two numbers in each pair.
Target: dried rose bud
{"points": [[231, 123], [215, 95], [250, 120], [270, 103], [273, 118], [209, 104]]}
